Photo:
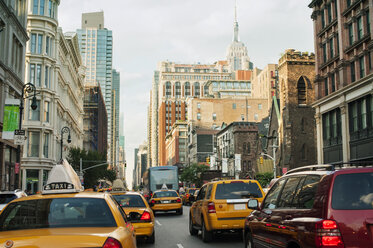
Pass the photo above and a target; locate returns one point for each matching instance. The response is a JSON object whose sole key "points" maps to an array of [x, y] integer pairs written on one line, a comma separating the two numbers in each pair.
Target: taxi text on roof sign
{"points": [[62, 179]]}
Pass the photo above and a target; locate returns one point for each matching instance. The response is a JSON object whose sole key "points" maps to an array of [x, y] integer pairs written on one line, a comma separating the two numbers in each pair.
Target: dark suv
{"points": [[315, 206]]}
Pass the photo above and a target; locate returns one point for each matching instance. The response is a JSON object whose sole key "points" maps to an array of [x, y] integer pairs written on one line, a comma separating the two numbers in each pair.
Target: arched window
{"points": [[197, 91], [244, 148], [301, 91], [248, 148], [178, 90], [168, 89], [187, 89], [206, 90]]}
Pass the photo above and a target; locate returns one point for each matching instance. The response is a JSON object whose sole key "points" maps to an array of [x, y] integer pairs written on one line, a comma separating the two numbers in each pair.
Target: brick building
{"points": [[343, 85], [176, 144], [292, 125]]}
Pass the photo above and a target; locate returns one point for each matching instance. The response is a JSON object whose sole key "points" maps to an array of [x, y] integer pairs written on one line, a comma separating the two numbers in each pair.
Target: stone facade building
{"points": [[54, 66], [344, 80], [13, 38], [176, 144], [292, 126]]}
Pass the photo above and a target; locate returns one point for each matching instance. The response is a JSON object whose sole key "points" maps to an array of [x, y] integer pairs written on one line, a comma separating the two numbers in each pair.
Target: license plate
{"points": [[165, 201], [239, 206]]}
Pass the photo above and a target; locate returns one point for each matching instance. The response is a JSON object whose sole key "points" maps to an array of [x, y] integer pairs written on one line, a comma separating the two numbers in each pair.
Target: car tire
{"points": [[192, 230], [206, 235], [180, 211], [249, 241], [151, 239]]}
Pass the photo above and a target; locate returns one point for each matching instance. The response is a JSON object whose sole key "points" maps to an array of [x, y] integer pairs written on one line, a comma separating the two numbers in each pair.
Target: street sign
{"points": [[19, 137]]}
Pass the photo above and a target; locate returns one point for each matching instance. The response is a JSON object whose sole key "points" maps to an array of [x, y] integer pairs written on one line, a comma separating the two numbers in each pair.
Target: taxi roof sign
{"points": [[62, 179], [164, 186], [118, 185]]}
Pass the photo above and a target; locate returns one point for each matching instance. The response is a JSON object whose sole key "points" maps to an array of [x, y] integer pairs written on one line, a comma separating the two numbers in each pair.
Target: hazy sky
{"points": [[186, 31]]}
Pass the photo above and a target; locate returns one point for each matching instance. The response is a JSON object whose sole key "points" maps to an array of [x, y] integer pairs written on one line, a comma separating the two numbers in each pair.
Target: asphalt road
{"points": [[171, 231]]}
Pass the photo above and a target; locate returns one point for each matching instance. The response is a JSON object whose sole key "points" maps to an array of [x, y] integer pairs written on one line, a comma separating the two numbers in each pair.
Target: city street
{"points": [[172, 231]]}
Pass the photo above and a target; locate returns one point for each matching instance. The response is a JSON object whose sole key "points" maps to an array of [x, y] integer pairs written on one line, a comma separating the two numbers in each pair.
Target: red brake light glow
{"points": [[178, 200], [328, 234], [153, 202], [145, 216], [211, 207], [112, 243], [329, 224]]}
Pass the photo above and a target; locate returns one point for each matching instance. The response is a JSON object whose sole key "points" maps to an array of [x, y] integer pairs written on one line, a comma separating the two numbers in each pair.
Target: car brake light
{"points": [[187, 195], [145, 216], [153, 202], [178, 200], [112, 243], [328, 234], [211, 207]]}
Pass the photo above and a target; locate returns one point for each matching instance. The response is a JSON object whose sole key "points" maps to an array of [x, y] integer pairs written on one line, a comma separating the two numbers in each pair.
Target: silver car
{"points": [[8, 196]]}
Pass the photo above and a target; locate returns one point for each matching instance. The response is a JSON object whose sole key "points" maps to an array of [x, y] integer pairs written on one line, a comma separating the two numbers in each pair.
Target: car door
{"points": [[260, 223], [199, 205]]}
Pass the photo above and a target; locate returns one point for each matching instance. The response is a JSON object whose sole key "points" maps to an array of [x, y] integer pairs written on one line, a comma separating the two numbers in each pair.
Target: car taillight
{"points": [[112, 243], [187, 195], [152, 202], [146, 216], [211, 207], [328, 234], [178, 200]]}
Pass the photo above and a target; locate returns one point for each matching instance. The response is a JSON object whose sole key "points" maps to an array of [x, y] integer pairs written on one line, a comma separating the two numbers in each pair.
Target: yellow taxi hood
{"points": [[59, 237]]}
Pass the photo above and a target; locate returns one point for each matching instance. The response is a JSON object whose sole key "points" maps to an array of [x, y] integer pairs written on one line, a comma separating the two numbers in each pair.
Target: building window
{"points": [[332, 79], [168, 89], [32, 74], [329, 7], [214, 116], [248, 148], [42, 5], [352, 69], [368, 22], [303, 125], [46, 111], [337, 39], [362, 67], [198, 116], [348, 2], [234, 106], [46, 145], [33, 43], [178, 90], [40, 43], [34, 115], [331, 127], [331, 46], [326, 86], [303, 152], [256, 117], [38, 75], [361, 116], [51, 9], [301, 91], [359, 28], [187, 89], [260, 106], [324, 52], [322, 18], [206, 90], [197, 91], [198, 106], [48, 43], [33, 144], [335, 9], [350, 33]]}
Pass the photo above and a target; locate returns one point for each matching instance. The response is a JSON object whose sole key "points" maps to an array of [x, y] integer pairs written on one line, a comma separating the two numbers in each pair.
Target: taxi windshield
{"points": [[6, 198], [56, 213], [237, 190], [130, 201], [165, 194]]}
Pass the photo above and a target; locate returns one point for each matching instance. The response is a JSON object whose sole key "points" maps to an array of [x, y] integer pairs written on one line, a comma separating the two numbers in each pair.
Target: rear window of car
{"points": [[237, 190], [191, 191], [353, 191], [165, 194], [130, 201], [6, 198], [56, 213]]}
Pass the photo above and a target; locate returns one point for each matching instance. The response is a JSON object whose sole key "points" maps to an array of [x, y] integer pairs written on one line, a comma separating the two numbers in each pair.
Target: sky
{"points": [[186, 31]]}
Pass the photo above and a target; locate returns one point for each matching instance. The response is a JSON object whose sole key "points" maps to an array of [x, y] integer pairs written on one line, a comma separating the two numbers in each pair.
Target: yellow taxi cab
{"points": [[166, 200], [137, 210], [222, 206], [65, 216], [188, 197]]}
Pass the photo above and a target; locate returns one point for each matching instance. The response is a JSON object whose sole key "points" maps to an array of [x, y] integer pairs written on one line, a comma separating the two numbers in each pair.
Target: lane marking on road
{"points": [[180, 246], [158, 223]]}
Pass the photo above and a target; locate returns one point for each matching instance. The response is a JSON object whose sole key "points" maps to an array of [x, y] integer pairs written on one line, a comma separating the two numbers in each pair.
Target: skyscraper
{"points": [[96, 47], [115, 113]]}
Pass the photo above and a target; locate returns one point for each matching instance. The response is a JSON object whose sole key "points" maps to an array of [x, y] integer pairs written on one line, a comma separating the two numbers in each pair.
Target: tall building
{"points": [[96, 47], [122, 153], [115, 114], [343, 87], [54, 66], [237, 52], [13, 38]]}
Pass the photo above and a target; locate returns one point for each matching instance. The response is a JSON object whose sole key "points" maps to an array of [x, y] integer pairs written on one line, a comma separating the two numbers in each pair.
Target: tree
{"points": [[264, 178], [192, 174], [90, 158]]}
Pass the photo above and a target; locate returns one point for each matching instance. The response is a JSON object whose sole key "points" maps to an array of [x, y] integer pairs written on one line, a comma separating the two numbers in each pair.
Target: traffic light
{"points": [[208, 160], [261, 159]]}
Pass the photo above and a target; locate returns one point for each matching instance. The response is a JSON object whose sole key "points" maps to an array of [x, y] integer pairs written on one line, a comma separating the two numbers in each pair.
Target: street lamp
{"points": [[29, 88], [65, 130]]}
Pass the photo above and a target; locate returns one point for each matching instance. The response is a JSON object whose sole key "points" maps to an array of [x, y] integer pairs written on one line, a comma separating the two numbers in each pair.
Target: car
{"points": [[64, 214], [8, 196], [315, 206], [221, 206], [188, 197], [137, 210], [166, 200]]}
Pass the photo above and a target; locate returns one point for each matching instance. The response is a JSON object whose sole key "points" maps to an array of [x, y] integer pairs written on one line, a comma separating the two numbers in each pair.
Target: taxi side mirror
{"points": [[253, 204], [134, 216]]}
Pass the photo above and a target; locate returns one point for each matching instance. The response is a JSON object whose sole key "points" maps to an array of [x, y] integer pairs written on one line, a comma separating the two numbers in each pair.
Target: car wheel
{"points": [[206, 235], [192, 230], [249, 241], [151, 239], [180, 211]]}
